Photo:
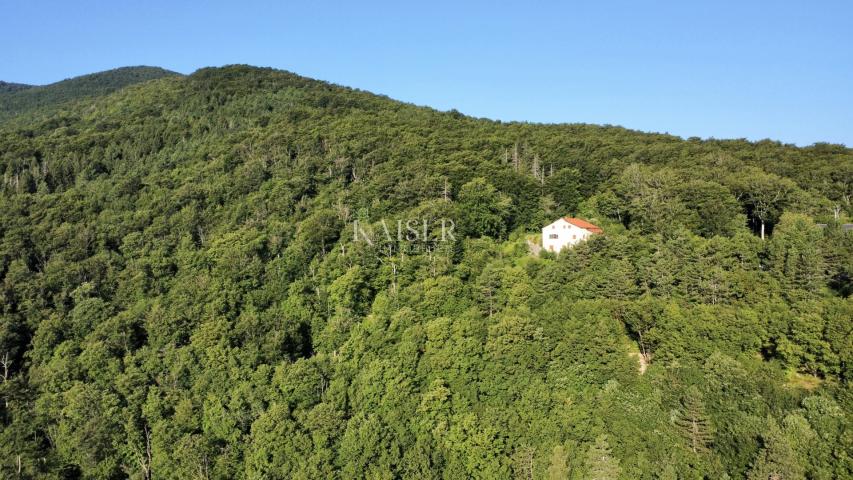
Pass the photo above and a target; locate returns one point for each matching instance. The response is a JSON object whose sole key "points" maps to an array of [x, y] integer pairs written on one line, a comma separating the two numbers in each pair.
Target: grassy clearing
{"points": [[803, 381]]}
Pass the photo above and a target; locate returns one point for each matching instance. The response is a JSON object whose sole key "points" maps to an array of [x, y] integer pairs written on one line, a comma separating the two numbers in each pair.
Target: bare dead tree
{"points": [[144, 458], [5, 362], [203, 468], [534, 168], [516, 160], [524, 462], [342, 210]]}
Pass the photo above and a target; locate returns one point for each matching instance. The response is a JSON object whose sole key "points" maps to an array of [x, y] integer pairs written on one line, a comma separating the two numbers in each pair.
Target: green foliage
{"points": [[482, 210], [693, 422], [794, 254], [7, 87], [558, 468], [183, 293], [777, 458], [17, 99], [599, 463], [566, 189]]}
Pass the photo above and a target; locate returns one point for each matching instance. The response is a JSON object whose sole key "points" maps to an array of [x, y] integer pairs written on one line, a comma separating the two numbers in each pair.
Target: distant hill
{"points": [[16, 98], [6, 87]]}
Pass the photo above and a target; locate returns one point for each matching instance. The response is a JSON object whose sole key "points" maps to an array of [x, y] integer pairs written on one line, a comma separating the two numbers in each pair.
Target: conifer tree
{"points": [[600, 464], [694, 423], [777, 459], [795, 256], [558, 469]]}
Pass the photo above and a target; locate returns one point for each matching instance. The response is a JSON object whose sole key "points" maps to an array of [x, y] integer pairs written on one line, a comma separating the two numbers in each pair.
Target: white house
{"points": [[566, 232]]}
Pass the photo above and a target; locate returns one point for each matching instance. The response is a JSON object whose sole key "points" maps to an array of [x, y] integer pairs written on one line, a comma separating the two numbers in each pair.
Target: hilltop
{"points": [[18, 99], [6, 87], [184, 294]]}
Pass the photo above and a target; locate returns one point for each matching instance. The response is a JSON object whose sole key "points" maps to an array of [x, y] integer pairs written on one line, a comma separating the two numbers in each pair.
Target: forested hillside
{"points": [[6, 87], [186, 293], [18, 99]]}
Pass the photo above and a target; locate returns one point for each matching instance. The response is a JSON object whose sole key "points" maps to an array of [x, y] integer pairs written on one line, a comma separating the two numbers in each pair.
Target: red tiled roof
{"points": [[584, 224]]}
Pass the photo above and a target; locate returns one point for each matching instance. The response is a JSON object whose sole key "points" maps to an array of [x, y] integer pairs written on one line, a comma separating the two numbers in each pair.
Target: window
{"points": [[574, 237], [553, 235]]}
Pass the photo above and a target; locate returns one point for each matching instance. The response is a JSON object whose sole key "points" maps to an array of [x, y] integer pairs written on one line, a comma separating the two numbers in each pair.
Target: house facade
{"points": [[566, 232]]}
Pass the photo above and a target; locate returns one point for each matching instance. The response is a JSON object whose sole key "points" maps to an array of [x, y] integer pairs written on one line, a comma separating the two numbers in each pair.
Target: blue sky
{"points": [[747, 69]]}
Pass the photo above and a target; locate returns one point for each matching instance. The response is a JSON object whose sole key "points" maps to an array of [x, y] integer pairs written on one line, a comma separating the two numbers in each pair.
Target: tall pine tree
{"points": [[694, 423], [600, 464]]}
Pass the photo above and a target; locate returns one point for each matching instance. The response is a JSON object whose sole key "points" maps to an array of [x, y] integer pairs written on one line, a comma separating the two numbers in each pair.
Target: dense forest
{"points": [[185, 292], [17, 98], [7, 88]]}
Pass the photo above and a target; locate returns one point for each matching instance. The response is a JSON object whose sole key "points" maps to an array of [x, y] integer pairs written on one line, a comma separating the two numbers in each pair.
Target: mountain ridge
{"points": [[9, 87], [17, 99], [145, 73]]}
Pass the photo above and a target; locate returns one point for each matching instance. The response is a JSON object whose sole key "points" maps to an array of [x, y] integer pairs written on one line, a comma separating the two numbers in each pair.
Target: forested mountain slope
{"points": [[186, 293], [17, 99], [6, 87]]}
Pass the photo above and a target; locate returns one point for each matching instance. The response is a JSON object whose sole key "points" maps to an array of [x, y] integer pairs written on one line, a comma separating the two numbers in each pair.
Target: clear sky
{"points": [[726, 69]]}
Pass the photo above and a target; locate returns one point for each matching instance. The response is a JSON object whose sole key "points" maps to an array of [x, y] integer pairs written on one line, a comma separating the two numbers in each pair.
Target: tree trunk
{"points": [[762, 229]]}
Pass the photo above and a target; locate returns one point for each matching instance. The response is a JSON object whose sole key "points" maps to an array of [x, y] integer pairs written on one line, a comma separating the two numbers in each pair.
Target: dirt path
{"points": [[642, 361]]}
